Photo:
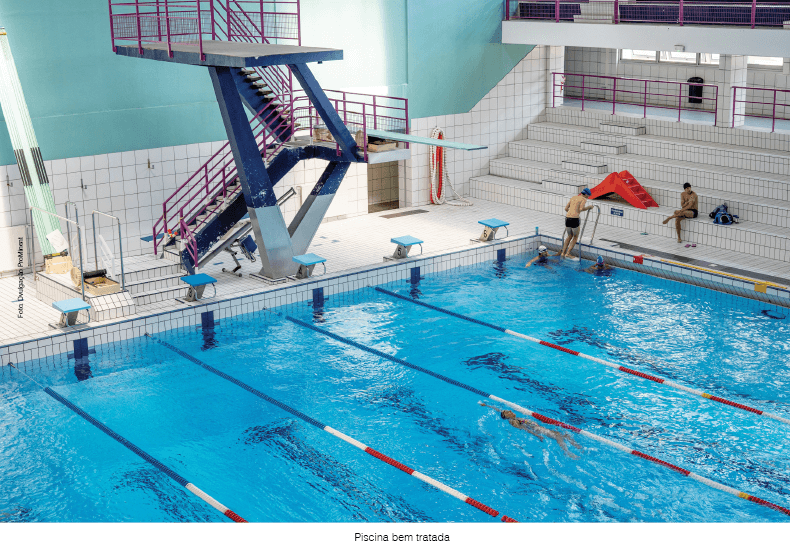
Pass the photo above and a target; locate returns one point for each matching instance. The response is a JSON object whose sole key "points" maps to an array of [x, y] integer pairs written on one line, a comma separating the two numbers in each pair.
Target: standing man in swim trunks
{"points": [[574, 207], [689, 203]]}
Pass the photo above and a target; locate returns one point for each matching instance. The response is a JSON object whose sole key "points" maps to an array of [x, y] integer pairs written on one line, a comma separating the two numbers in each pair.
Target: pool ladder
{"points": [[595, 226]]}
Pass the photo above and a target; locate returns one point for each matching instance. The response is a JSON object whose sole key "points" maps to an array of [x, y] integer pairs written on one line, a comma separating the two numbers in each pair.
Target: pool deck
{"points": [[354, 243]]}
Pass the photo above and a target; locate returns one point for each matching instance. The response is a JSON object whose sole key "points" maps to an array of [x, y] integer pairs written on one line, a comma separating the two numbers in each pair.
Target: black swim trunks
{"points": [[695, 212], [572, 222]]}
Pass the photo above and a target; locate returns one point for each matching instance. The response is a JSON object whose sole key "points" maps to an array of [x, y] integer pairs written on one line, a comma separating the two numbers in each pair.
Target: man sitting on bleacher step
{"points": [[689, 203]]}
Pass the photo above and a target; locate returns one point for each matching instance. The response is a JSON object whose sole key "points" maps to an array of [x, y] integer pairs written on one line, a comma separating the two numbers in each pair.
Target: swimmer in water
{"points": [[600, 268], [542, 258], [537, 430]]}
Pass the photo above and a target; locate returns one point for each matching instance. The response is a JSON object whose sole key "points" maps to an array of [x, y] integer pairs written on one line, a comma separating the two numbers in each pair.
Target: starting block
{"points": [[404, 246], [197, 284], [69, 309], [491, 226], [307, 263]]}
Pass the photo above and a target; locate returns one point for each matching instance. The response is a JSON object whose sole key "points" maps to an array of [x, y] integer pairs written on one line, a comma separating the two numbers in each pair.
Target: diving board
{"points": [[396, 136]]}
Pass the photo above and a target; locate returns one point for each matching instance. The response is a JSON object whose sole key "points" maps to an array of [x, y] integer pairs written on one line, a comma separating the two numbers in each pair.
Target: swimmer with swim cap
{"points": [[537, 430], [600, 267]]}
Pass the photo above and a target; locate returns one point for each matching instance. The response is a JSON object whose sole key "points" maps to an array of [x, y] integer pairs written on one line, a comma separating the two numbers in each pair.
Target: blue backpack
{"points": [[722, 217]]}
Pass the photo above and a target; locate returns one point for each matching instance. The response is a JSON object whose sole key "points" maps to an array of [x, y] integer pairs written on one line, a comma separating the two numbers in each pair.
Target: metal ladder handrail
{"points": [[32, 261], [120, 244], [595, 226]]}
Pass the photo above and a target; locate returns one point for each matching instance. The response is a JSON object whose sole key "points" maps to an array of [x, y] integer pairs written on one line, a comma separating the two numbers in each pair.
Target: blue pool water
{"points": [[270, 466]]}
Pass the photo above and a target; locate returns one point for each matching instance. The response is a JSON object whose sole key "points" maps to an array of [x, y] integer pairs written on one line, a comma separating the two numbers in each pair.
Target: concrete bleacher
{"points": [[572, 149]]}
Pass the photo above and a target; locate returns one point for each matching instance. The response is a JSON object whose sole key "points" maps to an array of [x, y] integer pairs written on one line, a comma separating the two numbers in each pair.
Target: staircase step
{"points": [[161, 295], [604, 148], [591, 168], [623, 128], [253, 77], [246, 71], [155, 283], [562, 187]]}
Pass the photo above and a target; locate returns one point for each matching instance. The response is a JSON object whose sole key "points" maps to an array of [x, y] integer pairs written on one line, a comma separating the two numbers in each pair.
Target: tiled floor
{"points": [[362, 241]]}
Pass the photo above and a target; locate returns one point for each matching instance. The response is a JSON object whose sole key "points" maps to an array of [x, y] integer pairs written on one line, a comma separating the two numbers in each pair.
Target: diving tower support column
{"points": [[271, 233]]}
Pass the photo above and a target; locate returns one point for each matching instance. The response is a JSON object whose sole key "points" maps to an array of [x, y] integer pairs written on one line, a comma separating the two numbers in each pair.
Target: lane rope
{"points": [[340, 435], [611, 364], [221, 508], [543, 418]]}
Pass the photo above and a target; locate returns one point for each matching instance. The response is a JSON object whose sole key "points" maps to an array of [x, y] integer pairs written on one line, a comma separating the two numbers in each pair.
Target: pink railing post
{"points": [[614, 96], [507, 10], [139, 30], [734, 94], [365, 132], [680, 14], [375, 124], [228, 15], [200, 32], [553, 90], [263, 34], [582, 92], [158, 22], [716, 107], [167, 30], [680, 100], [616, 12], [773, 114], [644, 113], [112, 28], [754, 11], [557, 13], [213, 23], [298, 25], [408, 124]]}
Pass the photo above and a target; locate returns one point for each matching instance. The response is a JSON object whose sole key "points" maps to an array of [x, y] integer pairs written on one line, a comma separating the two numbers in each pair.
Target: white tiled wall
{"points": [[133, 184], [382, 182], [499, 118]]}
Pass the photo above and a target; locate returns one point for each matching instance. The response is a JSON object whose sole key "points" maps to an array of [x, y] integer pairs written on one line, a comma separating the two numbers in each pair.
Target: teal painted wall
{"points": [[85, 100], [455, 54], [443, 55]]}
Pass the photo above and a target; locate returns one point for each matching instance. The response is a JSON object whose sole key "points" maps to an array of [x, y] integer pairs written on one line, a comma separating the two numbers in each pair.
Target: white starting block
{"points": [[69, 309], [307, 263], [489, 233], [197, 285], [404, 246]]}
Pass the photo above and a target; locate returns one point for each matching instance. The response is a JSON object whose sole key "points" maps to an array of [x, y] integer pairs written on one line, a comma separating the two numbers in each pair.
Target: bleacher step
{"points": [[623, 128], [607, 148], [587, 168], [562, 187]]}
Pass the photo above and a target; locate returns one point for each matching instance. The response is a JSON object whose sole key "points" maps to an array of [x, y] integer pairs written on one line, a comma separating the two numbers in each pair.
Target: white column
{"points": [[732, 72]]}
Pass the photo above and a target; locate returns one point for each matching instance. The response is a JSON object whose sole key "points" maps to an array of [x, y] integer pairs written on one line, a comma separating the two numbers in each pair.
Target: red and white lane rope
{"points": [[208, 499], [628, 450], [348, 439], [542, 418], [621, 368]]}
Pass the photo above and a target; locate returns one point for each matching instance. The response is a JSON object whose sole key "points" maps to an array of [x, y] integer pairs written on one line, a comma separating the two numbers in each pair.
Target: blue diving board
{"points": [[404, 246], [397, 136], [232, 54], [307, 263], [69, 309], [197, 284], [491, 225]]}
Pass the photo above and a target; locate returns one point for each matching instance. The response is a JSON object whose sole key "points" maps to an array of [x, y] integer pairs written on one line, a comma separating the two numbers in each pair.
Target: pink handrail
{"points": [[644, 93], [680, 12], [773, 103]]}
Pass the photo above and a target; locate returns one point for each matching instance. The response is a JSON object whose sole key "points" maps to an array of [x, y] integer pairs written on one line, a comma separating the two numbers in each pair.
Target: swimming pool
{"points": [[269, 465]]}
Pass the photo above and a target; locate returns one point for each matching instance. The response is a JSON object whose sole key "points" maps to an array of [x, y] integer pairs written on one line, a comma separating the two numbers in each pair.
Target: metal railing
{"points": [[194, 21], [675, 12], [359, 112], [780, 110], [634, 91], [120, 245], [31, 253]]}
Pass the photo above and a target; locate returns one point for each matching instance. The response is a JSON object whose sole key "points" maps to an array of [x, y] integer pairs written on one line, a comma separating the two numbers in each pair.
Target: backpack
{"points": [[722, 217]]}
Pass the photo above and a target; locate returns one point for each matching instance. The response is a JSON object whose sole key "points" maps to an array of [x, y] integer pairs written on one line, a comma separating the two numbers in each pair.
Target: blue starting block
{"points": [[404, 246], [307, 263], [69, 309], [197, 284], [491, 225]]}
